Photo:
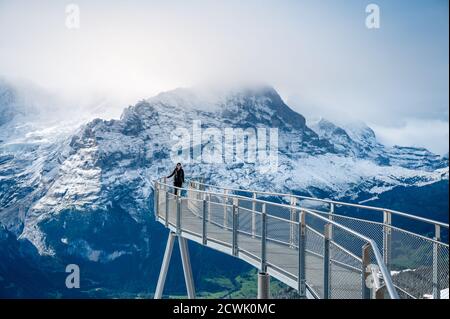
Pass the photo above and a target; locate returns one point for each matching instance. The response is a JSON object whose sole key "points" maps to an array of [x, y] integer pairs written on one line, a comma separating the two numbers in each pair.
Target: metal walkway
{"points": [[319, 252]]}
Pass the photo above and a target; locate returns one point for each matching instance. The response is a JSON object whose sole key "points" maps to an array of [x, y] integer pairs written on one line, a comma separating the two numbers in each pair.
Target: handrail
{"points": [[382, 224], [378, 257], [329, 201]]}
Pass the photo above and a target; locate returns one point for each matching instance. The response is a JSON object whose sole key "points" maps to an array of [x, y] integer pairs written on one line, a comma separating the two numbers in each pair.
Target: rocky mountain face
{"points": [[86, 195], [358, 140]]}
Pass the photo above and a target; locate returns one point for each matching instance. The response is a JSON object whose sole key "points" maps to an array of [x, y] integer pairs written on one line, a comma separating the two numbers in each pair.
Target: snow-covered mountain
{"points": [[89, 193], [358, 140]]}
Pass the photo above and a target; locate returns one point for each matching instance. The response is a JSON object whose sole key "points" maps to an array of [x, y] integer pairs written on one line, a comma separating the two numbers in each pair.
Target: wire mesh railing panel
{"points": [[418, 265], [228, 211], [215, 213], [280, 253], [443, 271], [249, 232], [443, 265], [216, 227], [191, 216], [195, 203], [345, 281], [172, 209], [348, 242], [315, 223], [246, 220], [444, 235], [369, 229], [161, 203], [314, 242], [412, 225], [247, 203], [281, 211], [314, 263], [403, 294], [278, 230]]}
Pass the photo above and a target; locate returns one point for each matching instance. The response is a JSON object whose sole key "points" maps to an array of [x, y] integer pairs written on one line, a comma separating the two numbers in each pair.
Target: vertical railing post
{"points": [[301, 255], [178, 201], [293, 216], [331, 217], [387, 238], [326, 261], [189, 195], [204, 215], [199, 193], [209, 208], [167, 208], [366, 252], [188, 192], [253, 215], [436, 266], [156, 201], [235, 229], [263, 276], [263, 238], [225, 209]]}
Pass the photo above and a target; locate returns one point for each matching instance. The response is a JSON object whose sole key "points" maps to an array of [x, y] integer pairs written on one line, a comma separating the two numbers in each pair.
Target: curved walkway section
{"points": [[320, 253]]}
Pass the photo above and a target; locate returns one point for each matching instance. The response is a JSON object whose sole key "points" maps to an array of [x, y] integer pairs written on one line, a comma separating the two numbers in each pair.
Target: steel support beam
{"points": [[185, 260], [165, 266], [187, 269]]}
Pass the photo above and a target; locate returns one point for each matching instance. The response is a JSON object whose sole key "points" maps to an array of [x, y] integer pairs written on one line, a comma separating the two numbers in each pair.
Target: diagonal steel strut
{"points": [[187, 270]]}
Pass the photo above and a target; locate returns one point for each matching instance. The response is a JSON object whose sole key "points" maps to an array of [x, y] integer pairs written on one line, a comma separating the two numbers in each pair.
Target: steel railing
{"points": [[305, 248], [418, 261]]}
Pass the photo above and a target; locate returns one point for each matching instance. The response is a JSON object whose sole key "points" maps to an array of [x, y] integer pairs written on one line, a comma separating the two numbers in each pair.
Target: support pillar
{"points": [[263, 285], [165, 266], [187, 269]]}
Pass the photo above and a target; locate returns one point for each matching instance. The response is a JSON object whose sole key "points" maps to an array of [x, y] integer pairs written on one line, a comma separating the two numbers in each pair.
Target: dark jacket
{"points": [[179, 176]]}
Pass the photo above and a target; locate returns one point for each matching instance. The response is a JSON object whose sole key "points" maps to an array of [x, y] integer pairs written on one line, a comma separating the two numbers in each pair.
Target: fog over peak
{"points": [[319, 56]]}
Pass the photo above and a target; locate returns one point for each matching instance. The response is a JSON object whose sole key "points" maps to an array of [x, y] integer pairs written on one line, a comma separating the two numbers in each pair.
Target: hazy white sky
{"points": [[318, 54]]}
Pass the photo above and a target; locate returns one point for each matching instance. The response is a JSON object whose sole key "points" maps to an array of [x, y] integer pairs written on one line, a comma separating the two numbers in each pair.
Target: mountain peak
{"points": [[196, 97], [251, 104]]}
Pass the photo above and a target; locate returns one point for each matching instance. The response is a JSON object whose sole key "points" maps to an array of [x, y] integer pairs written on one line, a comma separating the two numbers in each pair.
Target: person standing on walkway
{"points": [[178, 177]]}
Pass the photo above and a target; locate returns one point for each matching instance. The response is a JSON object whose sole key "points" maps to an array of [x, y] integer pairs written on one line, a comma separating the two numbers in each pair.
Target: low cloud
{"points": [[318, 54], [431, 133]]}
